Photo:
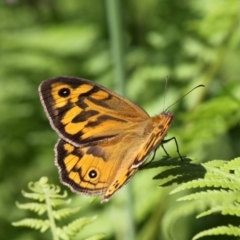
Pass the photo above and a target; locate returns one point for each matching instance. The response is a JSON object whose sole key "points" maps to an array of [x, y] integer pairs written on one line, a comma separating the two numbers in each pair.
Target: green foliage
{"points": [[49, 197], [191, 42], [217, 189]]}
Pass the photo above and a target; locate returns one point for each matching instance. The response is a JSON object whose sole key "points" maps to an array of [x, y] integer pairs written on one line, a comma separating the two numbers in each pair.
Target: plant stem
{"points": [[53, 226], [116, 42], [116, 38]]}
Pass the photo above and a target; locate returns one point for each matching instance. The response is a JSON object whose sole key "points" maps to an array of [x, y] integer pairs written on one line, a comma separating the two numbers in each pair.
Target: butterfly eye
{"points": [[92, 174], [64, 92]]}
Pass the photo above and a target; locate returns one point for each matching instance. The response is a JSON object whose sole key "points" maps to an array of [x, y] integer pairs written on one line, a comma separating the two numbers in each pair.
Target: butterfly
{"points": [[104, 138]]}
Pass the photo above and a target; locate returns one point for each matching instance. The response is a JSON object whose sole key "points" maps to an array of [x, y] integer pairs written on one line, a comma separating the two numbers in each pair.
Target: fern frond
{"points": [[60, 202], [177, 171], [72, 229], [221, 196], [41, 225], [34, 196], [214, 178], [193, 171], [229, 230], [219, 192], [65, 212], [42, 185], [215, 163], [233, 165], [231, 209], [38, 190], [38, 208], [49, 196], [225, 166], [178, 175]]}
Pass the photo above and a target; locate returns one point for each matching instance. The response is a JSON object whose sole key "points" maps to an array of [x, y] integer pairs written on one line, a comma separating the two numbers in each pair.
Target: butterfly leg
{"points": [[176, 143], [165, 150], [154, 153], [146, 164]]}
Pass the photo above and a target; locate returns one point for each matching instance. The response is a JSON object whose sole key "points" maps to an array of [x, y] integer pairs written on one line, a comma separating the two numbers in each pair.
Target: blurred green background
{"points": [[191, 42]]}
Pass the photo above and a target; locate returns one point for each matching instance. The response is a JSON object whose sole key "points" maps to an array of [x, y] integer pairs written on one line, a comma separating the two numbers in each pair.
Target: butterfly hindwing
{"points": [[80, 168], [104, 168]]}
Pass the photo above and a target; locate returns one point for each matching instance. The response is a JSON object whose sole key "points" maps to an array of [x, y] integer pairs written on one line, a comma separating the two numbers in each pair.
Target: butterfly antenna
{"points": [[165, 91], [200, 85]]}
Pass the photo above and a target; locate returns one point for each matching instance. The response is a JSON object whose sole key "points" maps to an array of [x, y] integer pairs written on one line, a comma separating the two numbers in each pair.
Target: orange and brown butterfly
{"points": [[104, 138]]}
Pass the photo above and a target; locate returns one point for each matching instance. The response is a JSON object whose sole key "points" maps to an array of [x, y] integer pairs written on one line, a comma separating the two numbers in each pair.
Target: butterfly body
{"points": [[104, 138]]}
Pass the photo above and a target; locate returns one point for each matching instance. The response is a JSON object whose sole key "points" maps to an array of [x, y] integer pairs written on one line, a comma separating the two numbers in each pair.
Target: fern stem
{"points": [[53, 226]]}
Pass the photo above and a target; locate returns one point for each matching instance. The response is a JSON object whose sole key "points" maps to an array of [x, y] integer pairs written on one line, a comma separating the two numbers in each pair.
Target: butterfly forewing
{"points": [[84, 113]]}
